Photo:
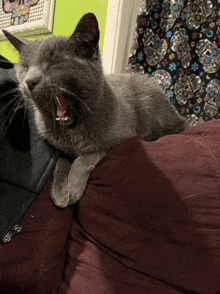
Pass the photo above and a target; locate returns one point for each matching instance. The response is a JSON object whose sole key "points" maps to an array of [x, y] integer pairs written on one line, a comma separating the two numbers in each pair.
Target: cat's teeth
{"points": [[62, 118]]}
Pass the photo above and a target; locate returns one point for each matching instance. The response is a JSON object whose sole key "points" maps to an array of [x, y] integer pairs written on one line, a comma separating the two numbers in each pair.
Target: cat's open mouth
{"points": [[61, 112]]}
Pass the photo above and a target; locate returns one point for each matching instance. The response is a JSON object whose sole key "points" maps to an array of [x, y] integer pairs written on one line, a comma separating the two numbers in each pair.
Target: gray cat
{"points": [[81, 111]]}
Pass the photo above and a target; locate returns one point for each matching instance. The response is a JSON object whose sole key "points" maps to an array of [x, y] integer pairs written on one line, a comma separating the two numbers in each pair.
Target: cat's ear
{"points": [[87, 31], [15, 41]]}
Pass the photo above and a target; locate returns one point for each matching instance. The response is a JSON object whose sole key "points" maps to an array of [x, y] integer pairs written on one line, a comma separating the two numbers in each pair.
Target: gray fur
{"points": [[105, 109]]}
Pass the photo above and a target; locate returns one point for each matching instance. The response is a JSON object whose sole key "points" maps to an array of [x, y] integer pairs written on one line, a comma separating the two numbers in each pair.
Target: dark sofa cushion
{"points": [[149, 220], [33, 261]]}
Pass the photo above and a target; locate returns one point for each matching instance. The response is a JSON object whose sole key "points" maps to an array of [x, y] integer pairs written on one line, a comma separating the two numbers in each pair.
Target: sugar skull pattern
{"points": [[145, 7], [197, 13], [135, 44], [137, 68], [19, 10], [178, 42], [171, 12], [209, 55], [185, 87], [154, 47], [212, 98], [164, 79]]}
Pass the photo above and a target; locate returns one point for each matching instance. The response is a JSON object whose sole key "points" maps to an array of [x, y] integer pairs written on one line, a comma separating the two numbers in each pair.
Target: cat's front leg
{"points": [[79, 174], [59, 190]]}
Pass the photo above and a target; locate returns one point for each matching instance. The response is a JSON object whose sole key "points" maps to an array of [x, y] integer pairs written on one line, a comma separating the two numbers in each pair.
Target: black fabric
{"points": [[5, 63], [178, 42], [26, 160]]}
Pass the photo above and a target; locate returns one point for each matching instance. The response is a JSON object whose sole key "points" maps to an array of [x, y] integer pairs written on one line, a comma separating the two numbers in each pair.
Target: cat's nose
{"points": [[33, 81]]}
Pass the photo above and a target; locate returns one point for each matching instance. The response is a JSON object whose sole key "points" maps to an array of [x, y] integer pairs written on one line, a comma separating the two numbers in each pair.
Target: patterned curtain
{"points": [[178, 41]]}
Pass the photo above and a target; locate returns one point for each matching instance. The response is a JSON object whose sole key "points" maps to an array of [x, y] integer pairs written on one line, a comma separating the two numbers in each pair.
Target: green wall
{"points": [[66, 16]]}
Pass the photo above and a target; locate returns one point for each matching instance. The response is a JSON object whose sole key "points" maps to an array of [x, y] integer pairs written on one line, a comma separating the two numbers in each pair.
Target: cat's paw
{"points": [[60, 190], [79, 174], [76, 190], [60, 194]]}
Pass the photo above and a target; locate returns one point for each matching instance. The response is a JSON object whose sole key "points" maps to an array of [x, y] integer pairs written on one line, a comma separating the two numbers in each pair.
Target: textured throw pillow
{"points": [[33, 261], [149, 220]]}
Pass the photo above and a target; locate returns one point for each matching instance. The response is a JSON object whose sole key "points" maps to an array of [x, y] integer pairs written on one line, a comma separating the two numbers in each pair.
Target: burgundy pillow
{"points": [[149, 220], [33, 261]]}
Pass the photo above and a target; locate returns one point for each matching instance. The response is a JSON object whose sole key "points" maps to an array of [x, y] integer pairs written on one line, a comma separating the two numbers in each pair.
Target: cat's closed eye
{"points": [[52, 64]]}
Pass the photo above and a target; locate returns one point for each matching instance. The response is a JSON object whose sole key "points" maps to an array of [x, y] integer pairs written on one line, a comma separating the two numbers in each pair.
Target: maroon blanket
{"points": [[149, 222], [151, 210]]}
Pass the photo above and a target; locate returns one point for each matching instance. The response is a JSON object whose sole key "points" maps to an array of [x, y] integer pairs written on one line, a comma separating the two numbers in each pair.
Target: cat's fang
{"points": [[58, 101], [62, 104]]}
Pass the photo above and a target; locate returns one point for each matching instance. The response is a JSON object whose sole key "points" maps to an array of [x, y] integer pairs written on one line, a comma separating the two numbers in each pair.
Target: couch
{"points": [[148, 222]]}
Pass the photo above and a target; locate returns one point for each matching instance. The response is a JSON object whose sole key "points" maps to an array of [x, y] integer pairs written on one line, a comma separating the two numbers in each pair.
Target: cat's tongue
{"points": [[61, 103]]}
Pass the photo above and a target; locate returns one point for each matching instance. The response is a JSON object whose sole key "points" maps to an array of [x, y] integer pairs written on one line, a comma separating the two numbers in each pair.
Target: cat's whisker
{"points": [[11, 115], [15, 109], [74, 110], [8, 92], [25, 113], [20, 105], [16, 100], [58, 101], [77, 97], [52, 107], [8, 104]]}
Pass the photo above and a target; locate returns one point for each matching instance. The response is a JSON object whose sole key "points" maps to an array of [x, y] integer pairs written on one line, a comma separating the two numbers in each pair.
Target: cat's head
{"points": [[62, 76]]}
